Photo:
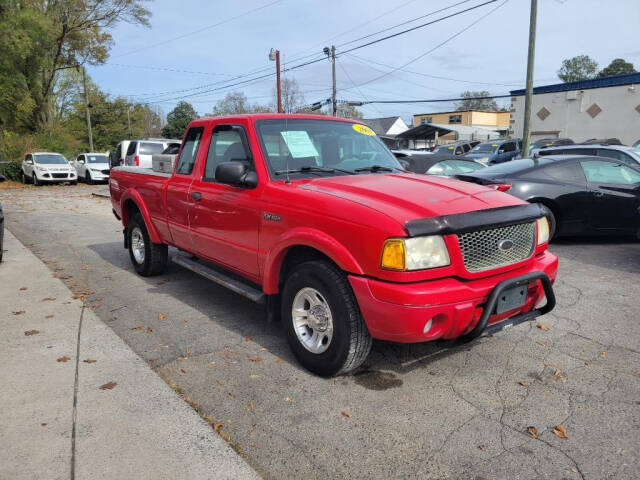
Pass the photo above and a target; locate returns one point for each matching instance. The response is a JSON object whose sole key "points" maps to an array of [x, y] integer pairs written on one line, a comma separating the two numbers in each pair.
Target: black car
{"points": [[584, 194], [438, 164], [2, 179]]}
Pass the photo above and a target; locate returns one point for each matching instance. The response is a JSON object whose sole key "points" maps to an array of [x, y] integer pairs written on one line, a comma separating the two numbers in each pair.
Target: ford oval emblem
{"points": [[505, 245]]}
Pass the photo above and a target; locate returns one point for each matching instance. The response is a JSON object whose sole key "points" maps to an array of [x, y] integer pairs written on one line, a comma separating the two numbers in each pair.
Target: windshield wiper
{"points": [[374, 168], [312, 169]]}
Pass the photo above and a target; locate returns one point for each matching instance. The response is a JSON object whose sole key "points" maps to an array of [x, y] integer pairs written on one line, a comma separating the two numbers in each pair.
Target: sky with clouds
{"points": [[194, 49]]}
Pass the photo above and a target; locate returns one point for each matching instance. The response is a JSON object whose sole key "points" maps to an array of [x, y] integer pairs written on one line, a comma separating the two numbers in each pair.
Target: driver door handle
{"points": [[197, 196]]}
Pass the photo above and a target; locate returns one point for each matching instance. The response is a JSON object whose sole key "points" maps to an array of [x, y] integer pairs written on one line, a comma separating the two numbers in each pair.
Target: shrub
{"points": [[11, 170]]}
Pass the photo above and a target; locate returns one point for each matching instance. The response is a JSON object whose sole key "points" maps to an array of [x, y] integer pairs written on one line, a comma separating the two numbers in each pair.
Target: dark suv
{"points": [[456, 148]]}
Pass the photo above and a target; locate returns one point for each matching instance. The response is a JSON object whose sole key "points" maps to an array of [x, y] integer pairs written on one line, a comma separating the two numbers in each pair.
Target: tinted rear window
{"points": [[148, 148]]}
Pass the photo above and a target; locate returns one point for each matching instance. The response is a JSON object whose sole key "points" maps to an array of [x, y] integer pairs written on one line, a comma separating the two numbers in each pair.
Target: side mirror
{"points": [[29, 162], [237, 174], [81, 161], [501, 151]]}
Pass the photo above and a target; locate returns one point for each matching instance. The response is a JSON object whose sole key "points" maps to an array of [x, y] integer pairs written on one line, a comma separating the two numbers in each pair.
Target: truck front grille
{"points": [[497, 247]]}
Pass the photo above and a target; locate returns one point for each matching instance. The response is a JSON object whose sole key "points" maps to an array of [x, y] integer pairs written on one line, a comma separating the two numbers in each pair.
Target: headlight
{"points": [[419, 253], [483, 159], [542, 225]]}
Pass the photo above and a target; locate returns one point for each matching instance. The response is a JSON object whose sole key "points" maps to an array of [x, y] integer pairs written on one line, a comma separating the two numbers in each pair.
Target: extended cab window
{"points": [[189, 151], [149, 148], [228, 144]]}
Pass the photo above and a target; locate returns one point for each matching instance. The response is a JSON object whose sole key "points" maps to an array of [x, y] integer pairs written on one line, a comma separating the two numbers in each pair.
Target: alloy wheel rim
{"points": [[312, 320], [137, 244]]}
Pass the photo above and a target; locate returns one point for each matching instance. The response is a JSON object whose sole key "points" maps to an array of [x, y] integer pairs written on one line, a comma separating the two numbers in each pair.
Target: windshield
{"points": [[50, 158], [444, 149], [322, 144], [488, 147], [454, 167], [97, 159], [149, 148]]}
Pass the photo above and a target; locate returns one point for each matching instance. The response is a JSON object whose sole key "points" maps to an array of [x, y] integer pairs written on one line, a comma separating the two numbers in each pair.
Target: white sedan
{"points": [[47, 167], [92, 167]]}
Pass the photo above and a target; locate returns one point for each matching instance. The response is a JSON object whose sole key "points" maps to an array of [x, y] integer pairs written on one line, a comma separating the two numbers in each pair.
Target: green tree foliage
{"points": [[474, 101], [235, 103], [581, 67], [41, 38], [349, 111], [618, 66], [178, 119]]}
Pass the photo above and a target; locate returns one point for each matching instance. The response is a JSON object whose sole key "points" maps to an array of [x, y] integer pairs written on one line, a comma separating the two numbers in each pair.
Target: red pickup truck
{"points": [[315, 218]]}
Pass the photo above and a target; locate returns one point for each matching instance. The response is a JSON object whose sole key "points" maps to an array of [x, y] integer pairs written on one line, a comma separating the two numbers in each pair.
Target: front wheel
{"points": [[148, 258], [322, 321], [35, 180], [87, 178]]}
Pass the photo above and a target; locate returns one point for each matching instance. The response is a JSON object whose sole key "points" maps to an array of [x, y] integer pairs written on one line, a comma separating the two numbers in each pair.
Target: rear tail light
{"points": [[502, 187], [136, 160]]}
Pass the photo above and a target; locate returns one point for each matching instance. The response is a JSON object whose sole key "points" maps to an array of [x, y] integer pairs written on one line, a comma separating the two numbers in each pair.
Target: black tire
{"points": [[74, 182], [87, 178], [35, 180], [23, 177], [351, 342], [155, 254]]}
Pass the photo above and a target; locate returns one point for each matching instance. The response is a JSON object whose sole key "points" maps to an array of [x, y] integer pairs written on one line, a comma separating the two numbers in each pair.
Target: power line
{"points": [[431, 50], [430, 100], [194, 32]]}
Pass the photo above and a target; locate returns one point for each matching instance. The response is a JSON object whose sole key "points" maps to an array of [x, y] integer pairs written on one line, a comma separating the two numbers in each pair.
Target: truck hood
{"points": [[406, 197]]}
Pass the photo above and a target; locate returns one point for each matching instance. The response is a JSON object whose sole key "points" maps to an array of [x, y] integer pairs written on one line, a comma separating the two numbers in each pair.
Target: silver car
{"points": [[139, 152], [92, 167]]}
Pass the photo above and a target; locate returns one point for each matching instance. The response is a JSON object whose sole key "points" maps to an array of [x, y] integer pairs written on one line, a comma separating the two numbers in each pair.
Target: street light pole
{"points": [[528, 98], [275, 55]]}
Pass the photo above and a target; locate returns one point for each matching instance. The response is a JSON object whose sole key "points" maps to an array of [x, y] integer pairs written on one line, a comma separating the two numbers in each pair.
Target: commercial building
{"points": [[590, 109], [470, 118]]}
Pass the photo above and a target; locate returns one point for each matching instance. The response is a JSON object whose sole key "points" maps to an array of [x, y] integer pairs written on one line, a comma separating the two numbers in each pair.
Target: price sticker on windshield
{"points": [[364, 130]]}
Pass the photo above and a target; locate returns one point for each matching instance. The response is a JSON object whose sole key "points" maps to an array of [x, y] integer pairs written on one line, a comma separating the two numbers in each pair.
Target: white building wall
{"points": [[569, 118], [398, 127]]}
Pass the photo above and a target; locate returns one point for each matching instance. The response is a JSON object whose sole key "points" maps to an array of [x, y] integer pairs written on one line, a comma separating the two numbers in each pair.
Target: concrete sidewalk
{"points": [[140, 428]]}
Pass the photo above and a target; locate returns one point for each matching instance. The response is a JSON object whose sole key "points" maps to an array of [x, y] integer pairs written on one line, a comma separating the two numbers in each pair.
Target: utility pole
{"points": [[87, 107], [528, 98], [334, 102], [275, 55], [129, 120]]}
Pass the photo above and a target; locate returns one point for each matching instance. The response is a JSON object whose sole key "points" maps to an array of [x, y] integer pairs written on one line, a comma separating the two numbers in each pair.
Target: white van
{"points": [[139, 152]]}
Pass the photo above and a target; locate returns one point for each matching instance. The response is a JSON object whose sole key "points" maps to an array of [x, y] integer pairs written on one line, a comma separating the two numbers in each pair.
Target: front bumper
{"points": [[447, 308], [53, 177], [99, 176]]}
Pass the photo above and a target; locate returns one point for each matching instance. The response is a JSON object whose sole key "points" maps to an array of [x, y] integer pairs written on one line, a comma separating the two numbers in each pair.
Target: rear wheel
{"points": [[148, 258], [322, 321]]}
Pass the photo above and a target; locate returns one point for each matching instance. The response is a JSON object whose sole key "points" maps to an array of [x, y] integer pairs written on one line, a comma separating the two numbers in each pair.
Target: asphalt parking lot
{"points": [[414, 411]]}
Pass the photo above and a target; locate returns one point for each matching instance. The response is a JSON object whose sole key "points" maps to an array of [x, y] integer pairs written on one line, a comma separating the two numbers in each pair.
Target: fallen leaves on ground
{"points": [[23, 288], [48, 299], [28, 333], [346, 414], [43, 424], [523, 383], [162, 316], [574, 469], [218, 425], [255, 359], [89, 360], [18, 312], [63, 359], [252, 406], [287, 399], [542, 326], [48, 316], [220, 382], [603, 353], [557, 373], [182, 370], [108, 386], [533, 431], [137, 327], [149, 329], [560, 432]]}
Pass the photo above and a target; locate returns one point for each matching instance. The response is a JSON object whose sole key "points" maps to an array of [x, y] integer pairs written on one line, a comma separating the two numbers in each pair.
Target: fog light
{"points": [[427, 326]]}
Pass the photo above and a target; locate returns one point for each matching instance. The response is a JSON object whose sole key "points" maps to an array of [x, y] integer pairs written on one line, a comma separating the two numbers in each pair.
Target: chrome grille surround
{"points": [[481, 251]]}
